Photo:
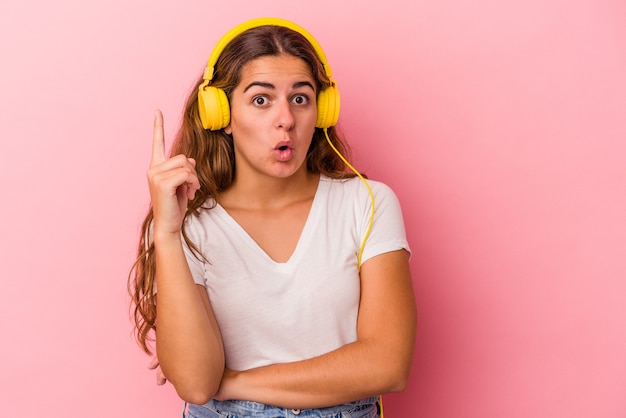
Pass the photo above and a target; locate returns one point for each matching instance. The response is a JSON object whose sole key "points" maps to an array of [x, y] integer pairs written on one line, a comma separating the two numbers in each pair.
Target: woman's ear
{"points": [[228, 130]]}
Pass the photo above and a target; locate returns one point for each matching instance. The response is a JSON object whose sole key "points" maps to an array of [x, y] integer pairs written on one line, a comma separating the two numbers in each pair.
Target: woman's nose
{"points": [[285, 118]]}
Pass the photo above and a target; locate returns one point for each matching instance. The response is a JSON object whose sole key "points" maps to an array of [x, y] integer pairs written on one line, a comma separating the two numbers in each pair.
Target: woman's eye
{"points": [[260, 100], [300, 99]]}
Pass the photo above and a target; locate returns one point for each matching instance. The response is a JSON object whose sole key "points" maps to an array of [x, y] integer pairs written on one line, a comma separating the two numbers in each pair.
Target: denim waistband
{"points": [[364, 408]]}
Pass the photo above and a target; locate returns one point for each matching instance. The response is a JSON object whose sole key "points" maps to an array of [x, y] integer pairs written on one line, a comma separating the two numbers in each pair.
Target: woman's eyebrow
{"points": [[270, 86], [260, 84], [303, 84]]}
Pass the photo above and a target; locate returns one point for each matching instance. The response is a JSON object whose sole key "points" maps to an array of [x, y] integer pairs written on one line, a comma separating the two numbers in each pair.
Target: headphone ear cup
{"points": [[213, 108], [327, 107]]}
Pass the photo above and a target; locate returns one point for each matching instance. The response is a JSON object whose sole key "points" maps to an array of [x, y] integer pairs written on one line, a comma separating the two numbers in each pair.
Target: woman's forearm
{"points": [[353, 372]]}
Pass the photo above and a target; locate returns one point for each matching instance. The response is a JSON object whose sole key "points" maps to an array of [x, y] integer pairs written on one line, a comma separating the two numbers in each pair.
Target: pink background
{"points": [[501, 126]]}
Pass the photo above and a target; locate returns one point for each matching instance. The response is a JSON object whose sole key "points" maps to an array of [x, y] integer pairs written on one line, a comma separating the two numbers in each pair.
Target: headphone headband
{"points": [[263, 21]]}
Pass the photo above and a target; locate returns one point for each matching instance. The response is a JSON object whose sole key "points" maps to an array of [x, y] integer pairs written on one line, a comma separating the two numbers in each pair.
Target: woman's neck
{"points": [[264, 192]]}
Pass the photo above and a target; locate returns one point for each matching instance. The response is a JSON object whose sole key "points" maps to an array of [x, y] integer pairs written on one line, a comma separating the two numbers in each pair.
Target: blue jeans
{"points": [[365, 408]]}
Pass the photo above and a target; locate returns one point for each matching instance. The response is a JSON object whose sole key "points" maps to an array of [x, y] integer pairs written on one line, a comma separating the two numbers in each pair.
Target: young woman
{"points": [[282, 290]]}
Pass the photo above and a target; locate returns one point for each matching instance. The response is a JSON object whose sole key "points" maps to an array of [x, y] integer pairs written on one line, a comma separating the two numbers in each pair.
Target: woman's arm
{"points": [[188, 341], [378, 362]]}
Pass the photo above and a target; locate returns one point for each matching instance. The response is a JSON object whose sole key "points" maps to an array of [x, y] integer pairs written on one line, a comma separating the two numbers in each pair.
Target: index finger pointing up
{"points": [[158, 140]]}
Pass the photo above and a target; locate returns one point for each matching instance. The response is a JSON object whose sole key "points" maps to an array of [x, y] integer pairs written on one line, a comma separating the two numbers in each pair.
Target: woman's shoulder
{"points": [[356, 185], [199, 216]]}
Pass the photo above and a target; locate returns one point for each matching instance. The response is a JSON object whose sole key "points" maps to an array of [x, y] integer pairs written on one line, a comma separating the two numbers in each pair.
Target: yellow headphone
{"points": [[213, 103]]}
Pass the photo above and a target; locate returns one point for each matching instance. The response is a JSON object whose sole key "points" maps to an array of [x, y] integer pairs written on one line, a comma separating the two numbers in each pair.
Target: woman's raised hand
{"points": [[172, 182]]}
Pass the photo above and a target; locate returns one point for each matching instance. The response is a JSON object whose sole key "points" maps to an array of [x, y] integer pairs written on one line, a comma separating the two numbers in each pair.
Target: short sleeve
{"points": [[388, 232]]}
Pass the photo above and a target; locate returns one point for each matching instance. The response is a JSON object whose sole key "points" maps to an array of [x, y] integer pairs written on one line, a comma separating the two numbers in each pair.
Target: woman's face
{"points": [[273, 112]]}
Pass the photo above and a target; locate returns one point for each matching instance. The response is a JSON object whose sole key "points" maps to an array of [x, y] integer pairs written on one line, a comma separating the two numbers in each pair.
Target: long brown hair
{"points": [[213, 152]]}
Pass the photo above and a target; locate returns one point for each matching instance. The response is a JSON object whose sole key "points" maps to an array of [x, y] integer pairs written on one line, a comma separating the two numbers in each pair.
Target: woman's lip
{"points": [[283, 151], [283, 154], [284, 144]]}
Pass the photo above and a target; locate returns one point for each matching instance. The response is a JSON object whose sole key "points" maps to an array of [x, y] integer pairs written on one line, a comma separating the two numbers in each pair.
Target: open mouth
{"points": [[283, 151]]}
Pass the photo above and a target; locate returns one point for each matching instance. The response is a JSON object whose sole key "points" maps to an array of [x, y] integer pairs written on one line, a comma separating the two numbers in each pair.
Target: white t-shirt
{"points": [[271, 312]]}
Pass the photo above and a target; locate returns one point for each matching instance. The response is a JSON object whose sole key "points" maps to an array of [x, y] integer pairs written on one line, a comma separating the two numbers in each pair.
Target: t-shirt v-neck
{"points": [[305, 234]]}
